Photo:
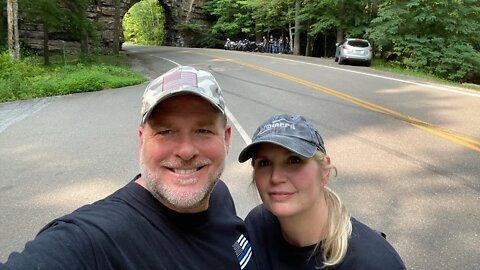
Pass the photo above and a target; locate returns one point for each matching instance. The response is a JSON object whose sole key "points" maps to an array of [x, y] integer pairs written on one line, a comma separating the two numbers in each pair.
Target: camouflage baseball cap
{"points": [[292, 132], [183, 80]]}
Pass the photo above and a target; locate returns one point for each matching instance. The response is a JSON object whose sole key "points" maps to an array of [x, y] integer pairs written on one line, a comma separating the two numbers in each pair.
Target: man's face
{"points": [[182, 152]]}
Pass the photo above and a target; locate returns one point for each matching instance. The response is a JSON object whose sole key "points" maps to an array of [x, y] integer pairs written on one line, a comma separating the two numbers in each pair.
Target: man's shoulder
{"points": [[110, 211], [221, 199]]}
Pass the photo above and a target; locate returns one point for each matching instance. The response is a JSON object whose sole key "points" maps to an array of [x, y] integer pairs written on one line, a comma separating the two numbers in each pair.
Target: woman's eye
{"points": [[294, 160], [262, 163]]}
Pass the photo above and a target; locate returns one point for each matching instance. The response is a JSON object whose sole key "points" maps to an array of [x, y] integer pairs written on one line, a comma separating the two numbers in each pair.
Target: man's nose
{"points": [[186, 149]]}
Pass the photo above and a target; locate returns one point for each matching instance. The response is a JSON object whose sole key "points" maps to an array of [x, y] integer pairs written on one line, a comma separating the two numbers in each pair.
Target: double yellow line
{"points": [[431, 128]]}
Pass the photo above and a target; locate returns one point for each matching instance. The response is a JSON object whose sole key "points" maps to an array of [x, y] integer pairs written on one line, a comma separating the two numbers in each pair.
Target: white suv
{"points": [[354, 50]]}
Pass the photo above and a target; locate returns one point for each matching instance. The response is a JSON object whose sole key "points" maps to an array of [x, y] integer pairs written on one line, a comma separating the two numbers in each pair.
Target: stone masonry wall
{"points": [[103, 12]]}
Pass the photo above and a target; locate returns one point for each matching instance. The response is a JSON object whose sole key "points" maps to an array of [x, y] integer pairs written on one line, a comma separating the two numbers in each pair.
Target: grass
{"points": [[393, 68], [27, 79]]}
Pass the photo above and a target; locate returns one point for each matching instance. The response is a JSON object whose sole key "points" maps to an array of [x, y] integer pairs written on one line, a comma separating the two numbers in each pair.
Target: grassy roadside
{"points": [[385, 66], [27, 79]]}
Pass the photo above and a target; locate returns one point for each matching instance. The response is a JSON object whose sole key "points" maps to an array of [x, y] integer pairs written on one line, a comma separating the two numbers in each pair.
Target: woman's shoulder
{"points": [[368, 248]]}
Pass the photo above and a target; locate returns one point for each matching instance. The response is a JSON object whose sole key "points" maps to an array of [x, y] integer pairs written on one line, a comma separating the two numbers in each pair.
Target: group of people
{"points": [[276, 45], [178, 214]]}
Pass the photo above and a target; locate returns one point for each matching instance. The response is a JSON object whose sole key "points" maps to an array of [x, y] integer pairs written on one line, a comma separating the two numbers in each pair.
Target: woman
{"points": [[302, 224]]}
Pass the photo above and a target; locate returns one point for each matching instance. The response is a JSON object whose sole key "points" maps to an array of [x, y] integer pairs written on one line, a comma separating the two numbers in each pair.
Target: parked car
{"points": [[354, 50]]}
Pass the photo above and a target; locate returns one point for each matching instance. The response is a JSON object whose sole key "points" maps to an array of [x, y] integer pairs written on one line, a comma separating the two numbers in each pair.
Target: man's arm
{"points": [[60, 245]]}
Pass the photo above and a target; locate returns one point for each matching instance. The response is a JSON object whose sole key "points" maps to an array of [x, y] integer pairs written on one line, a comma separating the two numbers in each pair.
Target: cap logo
{"points": [[178, 79], [277, 123]]}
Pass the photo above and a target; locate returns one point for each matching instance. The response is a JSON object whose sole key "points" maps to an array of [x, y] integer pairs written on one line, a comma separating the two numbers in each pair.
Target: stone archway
{"points": [[103, 13], [176, 12]]}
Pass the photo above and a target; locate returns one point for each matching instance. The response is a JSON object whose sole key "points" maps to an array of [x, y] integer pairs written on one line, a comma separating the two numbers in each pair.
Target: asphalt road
{"points": [[407, 150]]}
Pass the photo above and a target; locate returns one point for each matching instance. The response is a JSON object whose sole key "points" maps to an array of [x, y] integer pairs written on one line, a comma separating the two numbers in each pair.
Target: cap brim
{"points": [[293, 144], [184, 91]]}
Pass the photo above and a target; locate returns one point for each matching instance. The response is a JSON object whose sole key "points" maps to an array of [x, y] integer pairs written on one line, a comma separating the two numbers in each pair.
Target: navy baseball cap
{"points": [[292, 132]]}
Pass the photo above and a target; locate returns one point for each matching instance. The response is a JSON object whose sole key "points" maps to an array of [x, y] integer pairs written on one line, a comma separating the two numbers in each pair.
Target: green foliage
{"points": [[77, 24], [43, 11], [82, 78], [57, 16], [232, 17], [15, 76], [26, 79], [439, 37], [144, 23], [238, 19], [351, 17]]}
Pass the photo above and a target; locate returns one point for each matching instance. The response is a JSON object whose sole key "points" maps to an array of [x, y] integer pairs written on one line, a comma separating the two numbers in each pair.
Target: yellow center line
{"points": [[431, 128]]}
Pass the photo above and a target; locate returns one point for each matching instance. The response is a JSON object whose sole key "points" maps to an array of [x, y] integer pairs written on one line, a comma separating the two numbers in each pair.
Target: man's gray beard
{"points": [[178, 198]]}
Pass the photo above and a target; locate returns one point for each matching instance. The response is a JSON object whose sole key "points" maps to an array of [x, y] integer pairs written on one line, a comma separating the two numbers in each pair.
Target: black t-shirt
{"points": [[367, 249], [130, 229]]}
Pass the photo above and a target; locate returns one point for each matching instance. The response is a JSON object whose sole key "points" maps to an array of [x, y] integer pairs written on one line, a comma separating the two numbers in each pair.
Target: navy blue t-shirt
{"points": [[366, 250], [130, 229]]}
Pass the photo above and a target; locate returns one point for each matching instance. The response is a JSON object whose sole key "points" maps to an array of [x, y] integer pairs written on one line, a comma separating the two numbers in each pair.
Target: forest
{"points": [[440, 38], [437, 37]]}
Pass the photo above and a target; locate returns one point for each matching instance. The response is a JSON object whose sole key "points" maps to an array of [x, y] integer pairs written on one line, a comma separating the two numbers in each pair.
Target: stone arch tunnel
{"points": [[103, 13]]}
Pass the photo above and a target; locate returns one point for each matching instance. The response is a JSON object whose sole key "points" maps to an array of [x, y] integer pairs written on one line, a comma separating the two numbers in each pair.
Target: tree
{"points": [[13, 35], [233, 18], [48, 14], [77, 23], [116, 28], [296, 39], [144, 23], [439, 37]]}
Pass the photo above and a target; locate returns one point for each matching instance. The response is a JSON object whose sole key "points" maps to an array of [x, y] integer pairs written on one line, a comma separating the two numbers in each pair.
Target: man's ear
{"points": [[140, 137], [228, 134]]}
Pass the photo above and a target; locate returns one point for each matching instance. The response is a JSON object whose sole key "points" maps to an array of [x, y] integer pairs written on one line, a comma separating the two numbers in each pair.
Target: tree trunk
{"points": [[116, 28], [13, 35], [325, 45], [290, 34], [46, 54], [296, 41], [339, 35], [309, 47], [84, 42], [341, 16], [258, 33], [310, 43]]}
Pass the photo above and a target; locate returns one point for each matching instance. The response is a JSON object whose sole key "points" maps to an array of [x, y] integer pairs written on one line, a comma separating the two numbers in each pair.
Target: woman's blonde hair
{"points": [[338, 227]]}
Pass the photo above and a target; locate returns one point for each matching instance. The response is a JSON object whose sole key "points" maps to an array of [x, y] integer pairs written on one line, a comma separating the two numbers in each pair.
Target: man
{"points": [[176, 214]]}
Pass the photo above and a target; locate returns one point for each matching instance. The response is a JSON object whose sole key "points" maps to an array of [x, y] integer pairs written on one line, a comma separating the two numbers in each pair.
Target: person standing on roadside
{"points": [[176, 214], [270, 44], [302, 224]]}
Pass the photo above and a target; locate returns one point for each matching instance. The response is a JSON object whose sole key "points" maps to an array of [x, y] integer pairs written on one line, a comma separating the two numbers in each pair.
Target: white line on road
{"points": [[383, 77], [166, 59], [239, 128], [15, 111]]}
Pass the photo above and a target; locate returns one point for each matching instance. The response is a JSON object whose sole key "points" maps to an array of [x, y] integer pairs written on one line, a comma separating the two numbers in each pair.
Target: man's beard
{"points": [[175, 195]]}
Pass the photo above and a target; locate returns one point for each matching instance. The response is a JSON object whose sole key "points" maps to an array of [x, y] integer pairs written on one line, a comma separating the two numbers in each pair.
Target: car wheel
{"points": [[341, 61], [336, 59], [368, 63]]}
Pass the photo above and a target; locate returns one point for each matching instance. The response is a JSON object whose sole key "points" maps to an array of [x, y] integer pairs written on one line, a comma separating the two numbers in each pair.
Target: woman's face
{"points": [[288, 184]]}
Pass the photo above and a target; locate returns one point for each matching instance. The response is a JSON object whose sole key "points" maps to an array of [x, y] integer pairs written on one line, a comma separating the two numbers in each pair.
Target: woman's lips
{"points": [[280, 195]]}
